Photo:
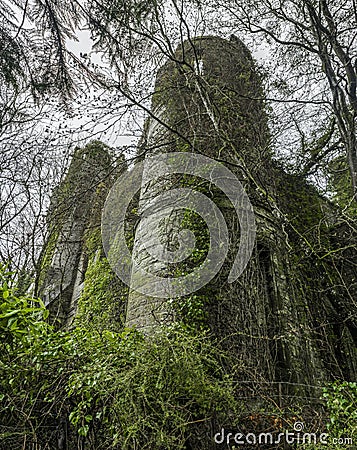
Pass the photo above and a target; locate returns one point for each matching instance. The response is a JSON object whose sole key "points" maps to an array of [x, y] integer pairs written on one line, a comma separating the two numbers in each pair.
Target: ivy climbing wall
{"points": [[290, 318], [279, 319]]}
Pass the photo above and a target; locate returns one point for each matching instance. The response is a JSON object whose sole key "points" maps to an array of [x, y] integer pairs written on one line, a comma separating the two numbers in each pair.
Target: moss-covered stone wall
{"points": [[74, 277], [290, 318], [282, 320]]}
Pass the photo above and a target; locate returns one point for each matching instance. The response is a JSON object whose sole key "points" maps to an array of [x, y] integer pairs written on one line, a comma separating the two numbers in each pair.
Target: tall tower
{"points": [[290, 319], [209, 100]]}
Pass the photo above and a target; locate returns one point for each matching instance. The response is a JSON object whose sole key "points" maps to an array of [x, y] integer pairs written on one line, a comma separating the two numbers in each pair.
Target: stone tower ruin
{"points": [[290, 318]]}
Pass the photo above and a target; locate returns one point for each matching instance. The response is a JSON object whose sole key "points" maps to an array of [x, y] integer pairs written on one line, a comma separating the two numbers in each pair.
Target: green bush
{"points": [[109, 390], [341, 401], [20, 317]]}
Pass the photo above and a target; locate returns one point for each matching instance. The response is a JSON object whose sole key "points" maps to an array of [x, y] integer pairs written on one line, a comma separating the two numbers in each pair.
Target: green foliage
{"points": [[101, 304], [154, 389], [341, 400], [195, 223], [113, 390], [190, 309], [47, 255], [19, 316]]}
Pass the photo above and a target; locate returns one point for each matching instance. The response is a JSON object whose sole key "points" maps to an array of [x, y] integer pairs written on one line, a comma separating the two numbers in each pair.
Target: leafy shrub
{"points": [[19, 317], [341, 401], [107, 390]]}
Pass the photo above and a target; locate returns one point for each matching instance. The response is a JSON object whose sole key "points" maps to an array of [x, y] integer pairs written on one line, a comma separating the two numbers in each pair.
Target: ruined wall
{"points": [[201, 102], [276, 319], [72, 266], [290, 318]]}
